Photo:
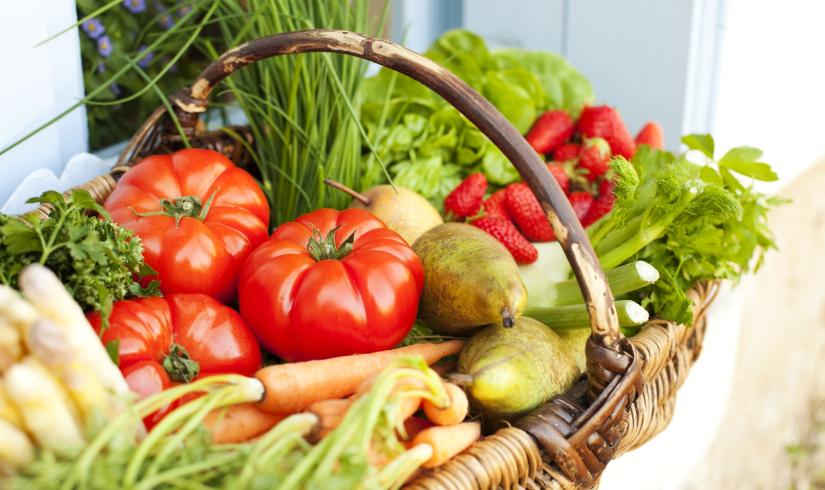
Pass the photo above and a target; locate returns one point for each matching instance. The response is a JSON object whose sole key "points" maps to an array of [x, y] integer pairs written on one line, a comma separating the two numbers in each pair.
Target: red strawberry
{"points": [[602, 204], [581, 202], [505, 231], [605, 122], [560, 174], [496, 205], [651, 135], [595, 158], [567, 151], [550, 131], [528, 214], [465, 199]]}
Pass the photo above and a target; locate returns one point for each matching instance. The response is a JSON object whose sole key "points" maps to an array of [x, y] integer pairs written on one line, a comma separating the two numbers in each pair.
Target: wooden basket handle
{"points": [[603, 319]]}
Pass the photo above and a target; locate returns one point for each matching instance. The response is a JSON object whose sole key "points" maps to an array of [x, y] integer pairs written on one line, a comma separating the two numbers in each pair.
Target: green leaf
{"points": [[742, 160], [113, 349], [701, 142], [49, 197], [710, 175], [85, 200], [497, 167], [151, 290], [564, 86]]}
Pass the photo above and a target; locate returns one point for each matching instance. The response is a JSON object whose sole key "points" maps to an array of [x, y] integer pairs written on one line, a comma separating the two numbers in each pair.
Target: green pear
{"points": [[510, 371], [470, 280]]}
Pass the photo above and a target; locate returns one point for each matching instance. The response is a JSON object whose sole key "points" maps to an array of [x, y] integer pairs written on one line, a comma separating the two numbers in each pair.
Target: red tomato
{"points": [[352, 288], [163, 341], [147, 378], [198, 217]]}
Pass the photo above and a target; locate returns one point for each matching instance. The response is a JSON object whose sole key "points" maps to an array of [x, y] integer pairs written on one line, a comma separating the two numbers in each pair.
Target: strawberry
{"points": [[605, 122], [528, 214], [560, 174], [465, 199], [550, 131], [496, 205], [567, 151], [594, 158], [505, 231], [651, 135], [602, 204], [581, 202]]}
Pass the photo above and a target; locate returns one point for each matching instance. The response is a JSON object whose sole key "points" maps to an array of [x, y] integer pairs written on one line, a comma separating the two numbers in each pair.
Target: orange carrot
{"points": [[293, 387], [447, 441], [454, 413], [239, 423], [330, 413], [414, 425]]}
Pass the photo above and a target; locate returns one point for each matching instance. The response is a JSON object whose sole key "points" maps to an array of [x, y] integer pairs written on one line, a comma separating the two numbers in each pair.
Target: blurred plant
{"points": [[807, 456], [109, 40]]}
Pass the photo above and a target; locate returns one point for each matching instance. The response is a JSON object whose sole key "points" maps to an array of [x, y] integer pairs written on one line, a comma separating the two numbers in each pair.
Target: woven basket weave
{"points": [[629, 392]]}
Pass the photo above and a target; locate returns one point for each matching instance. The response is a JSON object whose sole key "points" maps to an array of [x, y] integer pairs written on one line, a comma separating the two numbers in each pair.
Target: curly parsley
{"points": [[95, 258]]}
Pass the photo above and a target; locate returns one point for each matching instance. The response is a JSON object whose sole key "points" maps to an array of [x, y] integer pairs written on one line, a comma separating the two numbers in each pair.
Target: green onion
{"points": [[622, 280], [630, 313]]}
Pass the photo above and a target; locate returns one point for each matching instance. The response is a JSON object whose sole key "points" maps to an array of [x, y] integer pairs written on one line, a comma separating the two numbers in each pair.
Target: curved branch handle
{"points": [[571, 235]]}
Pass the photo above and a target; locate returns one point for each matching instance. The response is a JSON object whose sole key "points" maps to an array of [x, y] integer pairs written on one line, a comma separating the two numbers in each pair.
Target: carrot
{"points": [[239, 423], [454, 413], [414, 425], [330, 413], [448, 441], [293, 387]]}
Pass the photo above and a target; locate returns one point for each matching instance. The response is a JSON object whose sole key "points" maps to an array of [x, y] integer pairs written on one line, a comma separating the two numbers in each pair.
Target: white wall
{"points": [[36, 85], [771, 91]]}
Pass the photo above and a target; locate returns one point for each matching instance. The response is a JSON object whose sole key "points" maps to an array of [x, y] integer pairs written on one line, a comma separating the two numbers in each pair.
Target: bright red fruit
{"points": [[602, 204], [581, 202], [567, 151], [465, 200], [528, 214], [595, 158], [162, 341], [550, 131], [505, 232], [496, 205], [560, 174], [651, 135], [331, 283], [605, 122], [198, 217]]}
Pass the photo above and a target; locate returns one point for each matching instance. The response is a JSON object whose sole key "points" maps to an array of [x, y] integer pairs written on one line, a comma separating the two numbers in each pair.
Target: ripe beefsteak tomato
{"points": [[331, 283], [198, 217], [165, 341]]}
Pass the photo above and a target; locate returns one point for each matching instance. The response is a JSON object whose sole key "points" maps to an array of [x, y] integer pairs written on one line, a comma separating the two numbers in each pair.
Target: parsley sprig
{"points": [[96, 259]]}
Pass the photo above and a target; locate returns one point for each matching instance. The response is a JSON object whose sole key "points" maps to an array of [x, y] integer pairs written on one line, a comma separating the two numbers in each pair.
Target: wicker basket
{"points": [[629, 391]]}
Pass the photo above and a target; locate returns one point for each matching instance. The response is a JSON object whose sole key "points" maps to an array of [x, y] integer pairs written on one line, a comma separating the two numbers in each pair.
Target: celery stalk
{"points": [[622, 280], [576, 316]]}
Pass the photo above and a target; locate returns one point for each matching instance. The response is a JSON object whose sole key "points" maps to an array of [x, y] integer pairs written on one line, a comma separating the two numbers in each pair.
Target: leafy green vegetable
{"points": [[692, 222], [94, 258], [416, 132]]}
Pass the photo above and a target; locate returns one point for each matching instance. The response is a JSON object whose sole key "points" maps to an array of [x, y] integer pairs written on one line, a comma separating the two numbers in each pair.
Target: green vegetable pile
{"points": [[693, 222], [428, 146], [94, 258]]}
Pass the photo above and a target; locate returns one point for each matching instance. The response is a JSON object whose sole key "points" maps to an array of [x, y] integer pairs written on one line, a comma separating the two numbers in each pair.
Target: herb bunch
{"points": [[693, 222], [94, 258]]}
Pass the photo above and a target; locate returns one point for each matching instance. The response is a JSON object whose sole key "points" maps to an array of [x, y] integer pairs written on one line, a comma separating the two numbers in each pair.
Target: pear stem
{"points": [[355, 194]]}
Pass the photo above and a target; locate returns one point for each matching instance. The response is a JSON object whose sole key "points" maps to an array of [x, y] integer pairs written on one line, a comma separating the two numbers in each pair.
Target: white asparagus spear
{"points": [[44, 406], [45, 291], [8, 411], [16, 450], [11, 349]]}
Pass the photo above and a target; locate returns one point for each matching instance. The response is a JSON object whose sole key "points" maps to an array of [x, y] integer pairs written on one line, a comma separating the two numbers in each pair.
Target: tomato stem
{"points": [[323, 248], [179, 365], [182, 207]]}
